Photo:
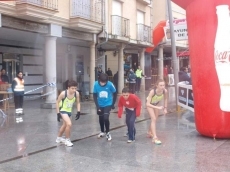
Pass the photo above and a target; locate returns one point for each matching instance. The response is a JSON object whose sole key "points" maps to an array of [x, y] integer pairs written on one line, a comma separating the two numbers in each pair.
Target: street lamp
{"points": [[173, 45]]}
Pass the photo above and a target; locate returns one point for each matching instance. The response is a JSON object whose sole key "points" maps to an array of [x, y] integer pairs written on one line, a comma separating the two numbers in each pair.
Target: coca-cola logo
{"points": [[222, 56]]}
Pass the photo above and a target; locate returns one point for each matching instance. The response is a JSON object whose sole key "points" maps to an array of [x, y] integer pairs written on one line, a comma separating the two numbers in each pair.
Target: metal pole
{"points": [[173, 45]]}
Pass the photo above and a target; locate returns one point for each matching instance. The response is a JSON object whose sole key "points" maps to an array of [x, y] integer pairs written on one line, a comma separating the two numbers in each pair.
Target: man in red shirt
{"points": [[132, 106]]}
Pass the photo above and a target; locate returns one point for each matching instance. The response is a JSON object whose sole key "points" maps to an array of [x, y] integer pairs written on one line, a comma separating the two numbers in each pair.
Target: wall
{"points": [[32, 62], [131, 14], [112, 61], [75, 54]]}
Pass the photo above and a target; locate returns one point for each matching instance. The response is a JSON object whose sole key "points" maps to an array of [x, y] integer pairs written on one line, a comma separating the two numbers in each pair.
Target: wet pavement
{"points": [[30, 145]]}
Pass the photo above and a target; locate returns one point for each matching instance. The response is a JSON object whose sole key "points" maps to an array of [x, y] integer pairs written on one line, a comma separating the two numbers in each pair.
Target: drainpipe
{"points": [[104, 28]]}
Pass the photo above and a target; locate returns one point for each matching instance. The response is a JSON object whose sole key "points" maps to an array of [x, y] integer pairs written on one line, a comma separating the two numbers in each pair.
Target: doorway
{"points": [[12, 63]]}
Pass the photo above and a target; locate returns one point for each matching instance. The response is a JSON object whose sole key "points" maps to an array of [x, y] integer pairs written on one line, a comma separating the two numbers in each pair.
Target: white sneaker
{"points": [[130, 141], [68, 143], [60, 140], [100, 135], [108, 136]]}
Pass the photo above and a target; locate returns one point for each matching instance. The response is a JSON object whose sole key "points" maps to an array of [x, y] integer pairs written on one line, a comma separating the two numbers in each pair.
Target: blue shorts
{"points": [[64, 112]]}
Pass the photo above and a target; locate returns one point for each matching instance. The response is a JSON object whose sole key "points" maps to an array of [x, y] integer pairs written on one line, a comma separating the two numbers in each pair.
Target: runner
{"points": [[64, 106], [155, 96], [132, 105], [104, 94]]}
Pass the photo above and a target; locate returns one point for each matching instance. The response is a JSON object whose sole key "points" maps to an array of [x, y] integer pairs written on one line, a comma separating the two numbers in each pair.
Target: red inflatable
{"points": [[212, 114], [158, 35]]}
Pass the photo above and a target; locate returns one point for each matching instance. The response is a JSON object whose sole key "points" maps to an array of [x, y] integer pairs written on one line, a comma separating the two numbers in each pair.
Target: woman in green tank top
{"points": [[154, 97]]}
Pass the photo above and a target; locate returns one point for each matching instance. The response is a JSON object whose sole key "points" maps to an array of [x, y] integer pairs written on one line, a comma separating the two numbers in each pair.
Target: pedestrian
{"points": [[4, 77], [115, 80], [166, 79], [155, 96], [104, 94], [139, 75], [132, 105], [134, 67], [18, 90], [132, 81], [183, 75], [109, 72], [99, 71], [64, 106]]}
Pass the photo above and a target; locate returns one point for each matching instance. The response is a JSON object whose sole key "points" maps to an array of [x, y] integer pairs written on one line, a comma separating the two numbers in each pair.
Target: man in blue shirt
{"points": [[104, 95]]}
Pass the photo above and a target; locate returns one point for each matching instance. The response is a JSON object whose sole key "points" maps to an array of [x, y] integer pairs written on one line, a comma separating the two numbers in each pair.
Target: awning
{"points": [[158, 35], [182, 53]]}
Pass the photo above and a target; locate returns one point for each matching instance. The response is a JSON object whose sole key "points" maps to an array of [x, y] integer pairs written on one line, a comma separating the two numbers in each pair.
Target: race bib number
{"points": [[103, 94], [69, 104]]}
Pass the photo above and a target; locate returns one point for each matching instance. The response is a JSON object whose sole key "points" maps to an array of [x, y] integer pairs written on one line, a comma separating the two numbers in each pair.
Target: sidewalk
{"points": [[30, 145]]}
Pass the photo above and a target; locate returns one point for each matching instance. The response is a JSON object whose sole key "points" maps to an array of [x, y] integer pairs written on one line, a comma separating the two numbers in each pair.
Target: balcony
{"points": [[144, 33], [120, 27], [145, 2], [87, 15], [36, 9]]}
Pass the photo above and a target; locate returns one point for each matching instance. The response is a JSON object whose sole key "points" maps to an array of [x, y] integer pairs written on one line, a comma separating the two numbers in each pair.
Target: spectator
{"points": [[99, 71], [166, 74], [170, 70], [4, 77], [139, 74], [132, 81], [18, 90], [183, 75], [115, 80], [109, 72], [134, 67]]}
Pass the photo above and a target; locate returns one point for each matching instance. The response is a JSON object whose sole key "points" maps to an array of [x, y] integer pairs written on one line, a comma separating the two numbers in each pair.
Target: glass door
{"points": [[12, 64]]}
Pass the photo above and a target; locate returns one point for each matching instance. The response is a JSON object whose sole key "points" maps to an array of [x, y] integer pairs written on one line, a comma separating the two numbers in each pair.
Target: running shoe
{"points": [[60, 140], [100, 135], [68, 143], [156, 141], [108, 136], [130, 141]]}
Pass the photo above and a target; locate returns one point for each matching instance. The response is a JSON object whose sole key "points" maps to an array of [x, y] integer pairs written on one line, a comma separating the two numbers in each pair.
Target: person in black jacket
{"points": [[115, 80], [109, 72], [18, 90], [183, 75], [4, 77]]}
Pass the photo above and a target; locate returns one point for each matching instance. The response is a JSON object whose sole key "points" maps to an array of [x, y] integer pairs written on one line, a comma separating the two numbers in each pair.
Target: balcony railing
{"points": [[49, 4], [88, 9], [143, 33], [146, 2], [120, 26]]}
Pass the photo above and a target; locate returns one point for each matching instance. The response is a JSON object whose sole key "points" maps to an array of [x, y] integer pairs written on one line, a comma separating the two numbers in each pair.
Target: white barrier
{"points": [[185, 96]]}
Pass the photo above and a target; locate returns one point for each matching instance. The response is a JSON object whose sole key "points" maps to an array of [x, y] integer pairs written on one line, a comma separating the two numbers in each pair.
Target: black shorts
{"points": [[104, 110]]}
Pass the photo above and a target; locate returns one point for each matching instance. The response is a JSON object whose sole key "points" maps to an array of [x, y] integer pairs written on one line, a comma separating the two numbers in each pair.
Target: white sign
{"points": [[180, 30]]}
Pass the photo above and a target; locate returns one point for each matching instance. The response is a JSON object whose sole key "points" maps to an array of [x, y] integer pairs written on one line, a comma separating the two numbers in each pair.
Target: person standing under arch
{"points": [[18, 90], [139, 74]]}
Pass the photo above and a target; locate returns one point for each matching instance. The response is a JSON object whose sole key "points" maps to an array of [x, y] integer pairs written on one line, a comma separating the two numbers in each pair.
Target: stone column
{"points": [[121, 68], [92, 68], [50, 72], [160, 62], [142, 64]]}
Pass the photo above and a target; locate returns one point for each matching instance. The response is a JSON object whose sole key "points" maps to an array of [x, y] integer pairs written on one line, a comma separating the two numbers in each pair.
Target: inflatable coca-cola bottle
{"points": [[222, 55]]}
